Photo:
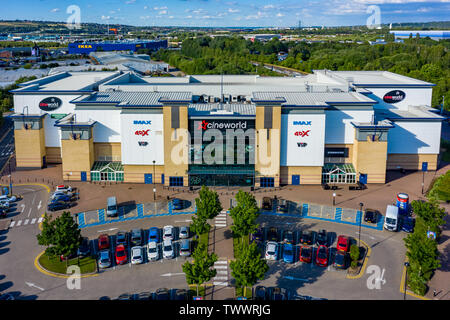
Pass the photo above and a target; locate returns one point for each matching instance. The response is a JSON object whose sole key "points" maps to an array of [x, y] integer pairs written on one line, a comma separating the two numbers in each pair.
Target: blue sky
{"points": [[230, 13]]}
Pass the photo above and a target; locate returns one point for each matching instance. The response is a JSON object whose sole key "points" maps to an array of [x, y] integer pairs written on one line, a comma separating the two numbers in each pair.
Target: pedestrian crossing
{"points": [[221, 219], [25, 222], [221, 278]]}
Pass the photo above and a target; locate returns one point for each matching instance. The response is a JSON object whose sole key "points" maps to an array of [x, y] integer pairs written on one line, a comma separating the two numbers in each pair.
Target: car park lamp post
{"points": [[153, 180], [360, 219], [334, 199], [406, 280], [10, 181]]}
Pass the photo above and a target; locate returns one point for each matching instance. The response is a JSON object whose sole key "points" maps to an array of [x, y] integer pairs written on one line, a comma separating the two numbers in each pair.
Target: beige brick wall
{"points": [[411, 161], [308, 175], [29, 148], [107, 149], [53, 154], [77, 156], [370, 157], [135, 173]]}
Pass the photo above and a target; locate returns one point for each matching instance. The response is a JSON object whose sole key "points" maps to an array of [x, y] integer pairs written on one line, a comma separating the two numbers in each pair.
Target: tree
{"points": [[431, 213], [249, 267], [200, 270], [61, 236], [208, 203], [244, 214], [354, 255]]}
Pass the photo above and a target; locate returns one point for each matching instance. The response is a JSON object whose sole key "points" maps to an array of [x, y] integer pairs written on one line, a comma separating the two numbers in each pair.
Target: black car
{"points": [[85, 249], [282, 206], [121, 238], [126, 296], [58, 205], [161, 294], [278, 294], [321, 237], [272, 234], [306, 238], [370, 216], [146, 295], [340, 260], [288, 237], [180, 294], [177, 204], [260, 293], [136, 237]]}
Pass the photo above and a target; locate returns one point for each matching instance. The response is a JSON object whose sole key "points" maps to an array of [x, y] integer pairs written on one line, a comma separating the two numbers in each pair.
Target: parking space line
{"points": [[33, 220], [26, 222], [12, 224], [19, 222]]}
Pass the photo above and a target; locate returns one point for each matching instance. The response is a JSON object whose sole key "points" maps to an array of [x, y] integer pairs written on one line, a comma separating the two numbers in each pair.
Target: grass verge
{"points": [[441, 188], [193, 290], [239, 291], [53, 264]]}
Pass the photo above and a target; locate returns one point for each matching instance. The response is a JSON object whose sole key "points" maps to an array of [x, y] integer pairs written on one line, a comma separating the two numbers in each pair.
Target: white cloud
{"points": [[170, 17], [269, 6], [130, 1], [106, 17], [233, 10], [145, 7], [189, 17], [396, 1], [279, 15], [55, 10], [424, 10], [160, 8], [162, 12], [259, 15]]}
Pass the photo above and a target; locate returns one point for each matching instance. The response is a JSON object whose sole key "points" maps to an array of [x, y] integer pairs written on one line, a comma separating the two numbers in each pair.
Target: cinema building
{"points": [[326, 127]]}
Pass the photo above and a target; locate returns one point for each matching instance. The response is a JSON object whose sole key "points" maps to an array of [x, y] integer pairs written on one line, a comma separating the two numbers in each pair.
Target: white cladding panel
{"points": [[414, 137], [301, 129], [52, 133], [152, 134], [338, 127], [413, 97], [107, 128]]}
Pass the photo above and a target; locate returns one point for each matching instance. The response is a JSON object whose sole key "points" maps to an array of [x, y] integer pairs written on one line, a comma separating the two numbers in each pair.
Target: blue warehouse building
{"points": [[88, 47]]}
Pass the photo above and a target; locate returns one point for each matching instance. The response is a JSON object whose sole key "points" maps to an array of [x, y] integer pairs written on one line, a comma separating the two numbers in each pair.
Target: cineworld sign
{"points": [[394, 96], [50, 104], [222, 125]]}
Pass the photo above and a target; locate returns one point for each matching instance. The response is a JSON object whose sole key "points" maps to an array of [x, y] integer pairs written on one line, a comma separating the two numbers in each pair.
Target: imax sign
{"points": [[142, 122], [302, 123]]}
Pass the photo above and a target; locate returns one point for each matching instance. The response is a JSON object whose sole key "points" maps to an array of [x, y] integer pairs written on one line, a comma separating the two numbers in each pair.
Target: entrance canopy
{"points": [[338, 173], [107, 171]]}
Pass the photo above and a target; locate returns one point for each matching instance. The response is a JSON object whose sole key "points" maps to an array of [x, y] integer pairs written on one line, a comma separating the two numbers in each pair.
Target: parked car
{"points": [[153, 235], [146, 295], [257, 235], [121, 254], [272, 234], [103, 242], [288, 253], [162, 294], [306, 238], [64, 188], [168, 232], [126, 296], [104, 259], [408, 224], [343, 243], [61, 197], [276, 293], [288, 237], [6, 198], [136, 237], [168, 252], [271, 250], [178, 204], [260, 293], [267, 203], [340, 260], [185, 248], [3, 212], [371, 216], [321, 237], [111, 207], [306, 254], [184, 232], [137, 255], [58, 205], [180, 294], [122, 238], [322, 256], [152, 251], [84, 249]]}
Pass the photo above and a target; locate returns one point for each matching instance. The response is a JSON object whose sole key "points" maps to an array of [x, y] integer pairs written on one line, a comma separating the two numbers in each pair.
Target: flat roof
{"points": [[311, 99], [413, 113], [377, 78]]}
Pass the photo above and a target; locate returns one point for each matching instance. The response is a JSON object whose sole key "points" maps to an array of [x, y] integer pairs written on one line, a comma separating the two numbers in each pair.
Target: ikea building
{"points": [[337, 127]]}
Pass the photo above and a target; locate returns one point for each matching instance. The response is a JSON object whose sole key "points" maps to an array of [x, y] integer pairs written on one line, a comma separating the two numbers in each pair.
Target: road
{"points": [[6, 149]]}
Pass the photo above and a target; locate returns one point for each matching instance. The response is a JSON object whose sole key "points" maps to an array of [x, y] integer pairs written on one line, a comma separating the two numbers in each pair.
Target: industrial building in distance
{"points": [[122, 45], [337, 127]]}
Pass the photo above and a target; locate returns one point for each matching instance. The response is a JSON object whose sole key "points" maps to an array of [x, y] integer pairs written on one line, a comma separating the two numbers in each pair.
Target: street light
{"points": [[153, 182], [10, 182], [360, 218], [406, 279], [423, 179], [334, 199]]}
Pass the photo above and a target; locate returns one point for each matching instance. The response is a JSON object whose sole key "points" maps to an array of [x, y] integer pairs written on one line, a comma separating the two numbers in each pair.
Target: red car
{"points": [[103, 242], [322, 256], [343, 244], [306, 254], [121, 254]]}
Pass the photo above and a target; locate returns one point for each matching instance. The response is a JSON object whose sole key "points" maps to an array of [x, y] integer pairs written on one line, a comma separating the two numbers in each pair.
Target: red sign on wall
{"points": [[304, 133], [142, 132]]}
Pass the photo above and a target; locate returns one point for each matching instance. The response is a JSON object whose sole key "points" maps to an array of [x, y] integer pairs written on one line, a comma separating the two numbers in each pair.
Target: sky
{"points": [[229, 13]]}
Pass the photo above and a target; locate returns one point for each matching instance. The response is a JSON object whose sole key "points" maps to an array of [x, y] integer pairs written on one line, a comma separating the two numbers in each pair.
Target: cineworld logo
{"points": [[394, 96], [302, 123], [204, 125], [142, 122], [50, 104], [142, 132]]}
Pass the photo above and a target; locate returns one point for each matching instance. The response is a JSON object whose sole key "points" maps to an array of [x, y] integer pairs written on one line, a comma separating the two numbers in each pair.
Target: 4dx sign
{"points": [[142, 132], [304, 133]]}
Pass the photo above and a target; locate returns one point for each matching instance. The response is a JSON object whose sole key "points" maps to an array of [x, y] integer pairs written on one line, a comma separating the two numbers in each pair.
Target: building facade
{"points": [[334, 127]]}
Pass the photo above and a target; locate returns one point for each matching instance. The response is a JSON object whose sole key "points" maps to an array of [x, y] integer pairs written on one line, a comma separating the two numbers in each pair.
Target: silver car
{"points": [[184, 232], [137, 255], [271, 250], [104, 259], [168, 252], [152, 251]]}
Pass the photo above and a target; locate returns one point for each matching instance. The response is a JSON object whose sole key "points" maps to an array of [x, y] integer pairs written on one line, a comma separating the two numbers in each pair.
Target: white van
{"points": [[111, 208], [391, 219]]}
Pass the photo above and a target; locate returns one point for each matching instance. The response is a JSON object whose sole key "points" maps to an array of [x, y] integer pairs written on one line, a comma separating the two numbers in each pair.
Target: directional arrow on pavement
{"points": [[172, 274], [34, 286], [112, 229], [187, 220], [39, 205], [23, 207]]}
